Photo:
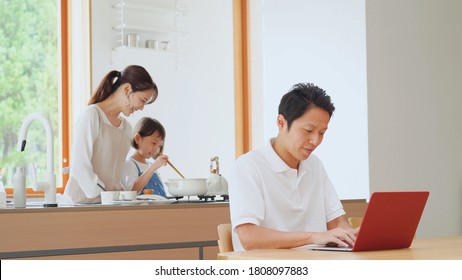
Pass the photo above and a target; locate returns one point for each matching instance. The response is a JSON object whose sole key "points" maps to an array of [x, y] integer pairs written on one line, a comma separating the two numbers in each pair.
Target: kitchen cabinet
{"points": [[149, 25], [173, 231]]}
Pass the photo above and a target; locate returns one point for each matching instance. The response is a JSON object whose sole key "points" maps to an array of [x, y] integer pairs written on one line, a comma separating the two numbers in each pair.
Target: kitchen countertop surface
{"points": [[36, 205]]}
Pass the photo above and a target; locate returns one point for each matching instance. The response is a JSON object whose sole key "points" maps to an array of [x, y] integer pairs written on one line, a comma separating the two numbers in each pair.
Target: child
{"points": [[148, 141]]}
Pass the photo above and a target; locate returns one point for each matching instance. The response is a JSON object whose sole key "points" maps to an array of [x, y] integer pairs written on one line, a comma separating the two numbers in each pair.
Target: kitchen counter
{"points": [[185, 230]]}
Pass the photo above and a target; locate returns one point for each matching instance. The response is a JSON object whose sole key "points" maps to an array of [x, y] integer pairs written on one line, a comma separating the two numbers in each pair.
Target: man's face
{"points": [[305, 134]]}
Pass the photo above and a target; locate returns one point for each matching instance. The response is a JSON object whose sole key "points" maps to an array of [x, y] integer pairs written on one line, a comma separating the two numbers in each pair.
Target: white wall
{"points": [[322, 42], [413, 85], [196, 92], [414, 61]]}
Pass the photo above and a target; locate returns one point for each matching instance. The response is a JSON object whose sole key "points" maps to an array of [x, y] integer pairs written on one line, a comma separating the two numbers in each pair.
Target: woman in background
{"points": [[102, 137], [139, 174]]}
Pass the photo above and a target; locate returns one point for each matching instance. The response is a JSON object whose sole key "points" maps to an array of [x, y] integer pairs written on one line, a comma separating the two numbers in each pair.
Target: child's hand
{"points": [[161, 160]]}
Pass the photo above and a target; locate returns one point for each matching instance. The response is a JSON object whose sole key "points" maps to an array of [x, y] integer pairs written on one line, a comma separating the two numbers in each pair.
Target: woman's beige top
{"points": [[98, 156]]}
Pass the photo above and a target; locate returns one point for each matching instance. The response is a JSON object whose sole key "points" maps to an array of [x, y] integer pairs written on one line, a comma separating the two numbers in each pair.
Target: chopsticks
{"points": [[174, 168]]}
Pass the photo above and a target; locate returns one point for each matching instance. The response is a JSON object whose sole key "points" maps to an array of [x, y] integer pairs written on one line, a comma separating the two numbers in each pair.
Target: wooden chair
{"points": [[225, 243], [355, 221]]}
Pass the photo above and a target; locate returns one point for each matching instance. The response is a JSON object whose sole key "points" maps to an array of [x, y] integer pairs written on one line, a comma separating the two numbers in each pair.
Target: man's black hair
{"points": [[301, 98]]}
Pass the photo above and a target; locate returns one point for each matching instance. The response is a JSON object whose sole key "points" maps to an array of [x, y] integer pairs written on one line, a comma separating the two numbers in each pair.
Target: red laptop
{"points": [[390, 222]]}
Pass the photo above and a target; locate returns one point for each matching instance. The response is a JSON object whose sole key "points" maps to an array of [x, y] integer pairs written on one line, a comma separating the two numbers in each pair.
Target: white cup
{"points": [[109, 197], [133, 40], [2, 199], [127, 195], [152, 44]]}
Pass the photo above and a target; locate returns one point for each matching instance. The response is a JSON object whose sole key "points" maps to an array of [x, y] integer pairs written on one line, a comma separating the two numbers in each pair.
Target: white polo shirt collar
{"points": [[277, 164]]}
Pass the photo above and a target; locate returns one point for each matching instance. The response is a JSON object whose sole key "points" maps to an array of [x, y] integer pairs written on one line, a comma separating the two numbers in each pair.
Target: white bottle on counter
{"points": [[19, 188], [2, 195]]}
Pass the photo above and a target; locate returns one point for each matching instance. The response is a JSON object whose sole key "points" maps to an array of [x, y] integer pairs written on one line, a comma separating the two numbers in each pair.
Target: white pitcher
{"points": [[216, 184]]}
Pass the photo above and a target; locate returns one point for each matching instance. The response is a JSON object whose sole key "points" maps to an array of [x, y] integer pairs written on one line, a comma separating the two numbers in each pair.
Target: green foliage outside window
{"points": [[29, 80]]}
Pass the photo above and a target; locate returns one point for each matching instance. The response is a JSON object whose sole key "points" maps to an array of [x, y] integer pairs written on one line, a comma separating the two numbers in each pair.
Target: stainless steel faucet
{"points": [[49, 185]]}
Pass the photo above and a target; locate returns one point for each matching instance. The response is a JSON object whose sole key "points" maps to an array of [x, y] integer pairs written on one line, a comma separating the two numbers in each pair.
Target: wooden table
{"points": [[441, 248]]}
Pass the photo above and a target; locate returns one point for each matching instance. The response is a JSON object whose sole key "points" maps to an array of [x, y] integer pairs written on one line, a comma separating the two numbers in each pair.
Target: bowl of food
{"points": [[187, 187], [148, 191]]}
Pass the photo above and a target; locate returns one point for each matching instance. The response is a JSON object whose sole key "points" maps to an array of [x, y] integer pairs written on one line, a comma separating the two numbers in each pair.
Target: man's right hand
{"points": [[340, 236]]}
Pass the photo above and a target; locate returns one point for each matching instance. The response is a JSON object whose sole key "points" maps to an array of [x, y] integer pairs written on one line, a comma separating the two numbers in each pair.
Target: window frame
{"points": [[65, 12], [242, 81]]}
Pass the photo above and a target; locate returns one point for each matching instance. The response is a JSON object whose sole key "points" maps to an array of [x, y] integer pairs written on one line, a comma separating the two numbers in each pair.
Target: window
{"points": [[31, 71]]}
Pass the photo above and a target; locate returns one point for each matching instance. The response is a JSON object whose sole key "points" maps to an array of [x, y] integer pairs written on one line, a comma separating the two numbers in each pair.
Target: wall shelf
{"points": [[141, 49], [149, 9], [153, 20], [148, 29]]}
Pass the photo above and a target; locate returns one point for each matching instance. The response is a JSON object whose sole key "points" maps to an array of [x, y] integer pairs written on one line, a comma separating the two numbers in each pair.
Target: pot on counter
{"points": [[187, 187]]}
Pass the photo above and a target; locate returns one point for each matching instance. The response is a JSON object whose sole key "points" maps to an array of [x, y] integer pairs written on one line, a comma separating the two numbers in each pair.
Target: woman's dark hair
{"points": [[147, 127], [301, 98], [135, 75]]}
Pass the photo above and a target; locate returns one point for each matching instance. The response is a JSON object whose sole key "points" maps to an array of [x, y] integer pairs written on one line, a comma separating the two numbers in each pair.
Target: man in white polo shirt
{"points": [[281, 196]]}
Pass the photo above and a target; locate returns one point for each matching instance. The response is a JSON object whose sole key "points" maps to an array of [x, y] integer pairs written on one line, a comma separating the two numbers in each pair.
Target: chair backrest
{"points": [[355, 221], [225, 243]]}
